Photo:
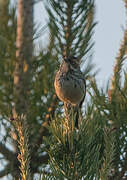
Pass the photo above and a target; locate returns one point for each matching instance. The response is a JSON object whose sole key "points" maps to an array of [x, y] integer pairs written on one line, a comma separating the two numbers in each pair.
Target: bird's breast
{"points": [[69, 89]]}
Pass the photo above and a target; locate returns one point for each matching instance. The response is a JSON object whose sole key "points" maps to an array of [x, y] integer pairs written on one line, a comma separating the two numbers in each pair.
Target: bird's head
{"points": [[72, 61]]}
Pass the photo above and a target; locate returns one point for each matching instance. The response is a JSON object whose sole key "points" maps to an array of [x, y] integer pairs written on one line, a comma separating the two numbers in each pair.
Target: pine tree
{"points": [[72, 152], [40, 99], [97, 150]]}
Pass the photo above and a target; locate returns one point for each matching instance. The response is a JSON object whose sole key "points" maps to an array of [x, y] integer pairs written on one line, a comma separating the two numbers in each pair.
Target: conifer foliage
{"points": [[38, 141], [73, 23]]}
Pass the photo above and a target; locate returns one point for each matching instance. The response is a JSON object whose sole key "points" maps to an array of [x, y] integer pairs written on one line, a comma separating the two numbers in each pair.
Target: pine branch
{"points": [[5, 172], [73, 24], [120, 59], [8, 154], [119, 62], [107, 167], [72, 153], [44, 130], [41, 160], [11, 168], [124, 169], [52, 108], [21, 127]]}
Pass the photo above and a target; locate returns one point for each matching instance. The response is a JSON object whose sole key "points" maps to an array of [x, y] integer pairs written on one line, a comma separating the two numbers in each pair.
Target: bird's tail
{"points": [[72, 114]]}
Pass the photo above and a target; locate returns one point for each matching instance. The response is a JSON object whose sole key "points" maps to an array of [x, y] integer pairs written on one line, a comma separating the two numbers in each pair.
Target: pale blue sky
{"points": [[110, 15]]}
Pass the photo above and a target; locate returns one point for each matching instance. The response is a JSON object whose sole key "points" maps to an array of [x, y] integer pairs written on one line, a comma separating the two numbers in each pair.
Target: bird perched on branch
{"points": [[70, 86]]}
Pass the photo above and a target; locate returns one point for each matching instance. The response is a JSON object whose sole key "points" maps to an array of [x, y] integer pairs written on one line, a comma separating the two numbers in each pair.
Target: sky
{"points": [[110, 15]]}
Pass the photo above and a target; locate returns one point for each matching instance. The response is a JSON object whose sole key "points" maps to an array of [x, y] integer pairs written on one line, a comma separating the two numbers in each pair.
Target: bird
{"points": [[70, 86]]}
